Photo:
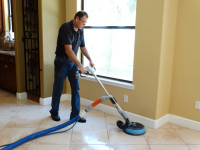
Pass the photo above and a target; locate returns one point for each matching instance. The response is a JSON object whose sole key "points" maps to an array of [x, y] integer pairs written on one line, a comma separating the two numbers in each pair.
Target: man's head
{"points": [[80, 19]]}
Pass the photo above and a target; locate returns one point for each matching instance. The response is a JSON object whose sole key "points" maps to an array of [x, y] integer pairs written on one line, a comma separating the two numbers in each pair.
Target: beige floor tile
{"points": [[90, 137], [10, 135], [65, 103], [54, 139], [4, 121], [111, 121], [93, 123], [64, 112], [22, 147], [33, 110], [89, 147], [94, 113], [189, 136], [163, 136], [48, 147], [9, 110], [169, 147], [166, 126], [174, 126], [117, 136], [130, 147], [25, 122], [194, 147]]}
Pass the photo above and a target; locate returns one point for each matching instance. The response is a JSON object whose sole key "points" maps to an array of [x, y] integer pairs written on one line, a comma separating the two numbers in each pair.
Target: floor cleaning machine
{"points": [[132, 128]]}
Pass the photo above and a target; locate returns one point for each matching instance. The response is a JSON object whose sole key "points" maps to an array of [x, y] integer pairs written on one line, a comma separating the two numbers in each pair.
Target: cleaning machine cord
{"points": [[41, 133]]}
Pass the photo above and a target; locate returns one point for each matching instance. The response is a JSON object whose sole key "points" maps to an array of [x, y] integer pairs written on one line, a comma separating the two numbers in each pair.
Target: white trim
{"points": [[184, 122], [154, 124], [21, 96], [121, 84], [133, 117], [47, 101]]}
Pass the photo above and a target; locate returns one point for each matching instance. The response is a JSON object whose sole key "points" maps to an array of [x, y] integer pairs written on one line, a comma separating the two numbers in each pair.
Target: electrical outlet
{"points": [[126, 98], [197, 105]]}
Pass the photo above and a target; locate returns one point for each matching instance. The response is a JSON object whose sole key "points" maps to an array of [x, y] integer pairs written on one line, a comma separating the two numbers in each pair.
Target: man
{"points": [[70, 38]]}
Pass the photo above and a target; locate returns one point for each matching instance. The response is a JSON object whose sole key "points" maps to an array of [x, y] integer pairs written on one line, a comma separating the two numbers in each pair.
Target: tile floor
{"points": [[24, 117]]}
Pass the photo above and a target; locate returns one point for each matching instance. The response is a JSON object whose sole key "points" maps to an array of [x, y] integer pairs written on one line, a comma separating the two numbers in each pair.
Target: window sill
{"points": [[121, 84]]}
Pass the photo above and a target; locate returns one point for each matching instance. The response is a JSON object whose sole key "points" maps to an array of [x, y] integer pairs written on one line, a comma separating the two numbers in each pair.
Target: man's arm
{"points": [[72, 57], [86, 54]]}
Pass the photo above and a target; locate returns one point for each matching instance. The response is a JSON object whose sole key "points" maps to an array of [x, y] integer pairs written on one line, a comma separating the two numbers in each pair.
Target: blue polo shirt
{"points": [[67, 35]]}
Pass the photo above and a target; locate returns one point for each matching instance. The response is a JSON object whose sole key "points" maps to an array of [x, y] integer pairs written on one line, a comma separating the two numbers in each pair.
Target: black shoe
{"points": [[55, 117], [82, 120]]}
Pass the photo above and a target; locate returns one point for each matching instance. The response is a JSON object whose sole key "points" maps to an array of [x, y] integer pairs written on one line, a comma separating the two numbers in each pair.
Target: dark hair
{"points": [[80, 14]]}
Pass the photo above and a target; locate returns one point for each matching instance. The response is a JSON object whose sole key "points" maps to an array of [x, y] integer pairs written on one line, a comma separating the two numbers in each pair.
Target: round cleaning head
{"points": [[135, 128]]}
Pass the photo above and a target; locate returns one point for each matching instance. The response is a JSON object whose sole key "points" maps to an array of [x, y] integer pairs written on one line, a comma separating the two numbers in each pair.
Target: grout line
{"points": [[107, 131], [146, 140], [70, 139], [181, 138]]}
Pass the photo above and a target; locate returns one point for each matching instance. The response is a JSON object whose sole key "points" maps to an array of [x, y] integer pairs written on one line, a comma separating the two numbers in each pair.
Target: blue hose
{"points": [[40, 133]]}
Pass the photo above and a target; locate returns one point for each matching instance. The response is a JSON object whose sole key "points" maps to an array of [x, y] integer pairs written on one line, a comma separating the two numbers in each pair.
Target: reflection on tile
{"points": [[9, 135], [194, 147], [89, 147], [163, 136], [93, 123], [189, 136], [4, 121], [117, 136], [54, 139], [48, 147], [130, 147], [90, 137], [169, 147], [9, 110], [25, 122], [94, 113], [33, 110]]}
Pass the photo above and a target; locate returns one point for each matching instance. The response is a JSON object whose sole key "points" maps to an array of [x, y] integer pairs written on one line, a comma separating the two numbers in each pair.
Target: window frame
{"points": [[106, 27]]}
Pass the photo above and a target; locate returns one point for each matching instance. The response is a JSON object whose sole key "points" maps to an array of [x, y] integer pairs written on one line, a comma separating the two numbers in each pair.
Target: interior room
{"points": [[159, 88]]}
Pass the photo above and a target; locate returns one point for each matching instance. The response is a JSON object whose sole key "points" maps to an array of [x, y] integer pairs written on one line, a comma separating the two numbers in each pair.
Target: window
{"points": [[6, 23], [110, 35]]}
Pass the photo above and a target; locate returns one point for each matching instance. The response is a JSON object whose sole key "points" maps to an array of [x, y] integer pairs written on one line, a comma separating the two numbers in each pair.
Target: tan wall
{"points": [[19, 47], [52, 15], [166, 57], [186, 71]]}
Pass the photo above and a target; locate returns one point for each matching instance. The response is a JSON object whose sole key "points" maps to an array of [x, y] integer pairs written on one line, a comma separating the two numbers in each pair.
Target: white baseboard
{"points": [[133, 117], [21, 96], [154, 124], [184, 122], [47, 101]]}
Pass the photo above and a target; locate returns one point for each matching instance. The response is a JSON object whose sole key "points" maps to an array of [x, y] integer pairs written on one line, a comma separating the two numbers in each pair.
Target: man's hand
{"points": [[92, 64], [83, 70]]}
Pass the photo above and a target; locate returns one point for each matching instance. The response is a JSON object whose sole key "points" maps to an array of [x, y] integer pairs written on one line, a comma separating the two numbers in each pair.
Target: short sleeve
{"points": [[65, 36], [82, 40]]}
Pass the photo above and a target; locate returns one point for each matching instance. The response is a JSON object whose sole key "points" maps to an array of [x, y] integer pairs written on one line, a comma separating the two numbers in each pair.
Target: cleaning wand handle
{"points": [[92, 70]]}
